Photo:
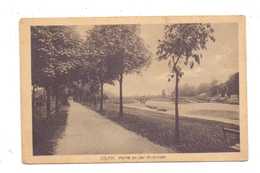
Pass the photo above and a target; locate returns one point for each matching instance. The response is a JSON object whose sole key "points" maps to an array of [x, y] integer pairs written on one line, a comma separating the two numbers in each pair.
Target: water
{"points": [[183, 108]]}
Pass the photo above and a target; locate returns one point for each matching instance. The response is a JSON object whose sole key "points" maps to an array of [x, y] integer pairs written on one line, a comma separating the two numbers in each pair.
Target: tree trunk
{"points": [[48, 101], [177, 131], [56, 101], [121, 95], [101, 96], [79, 96], [74, 95], [95, 100], [33, 101]]}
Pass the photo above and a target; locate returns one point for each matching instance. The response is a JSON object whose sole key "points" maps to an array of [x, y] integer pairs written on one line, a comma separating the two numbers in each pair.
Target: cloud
{"points": [[195, 71]]}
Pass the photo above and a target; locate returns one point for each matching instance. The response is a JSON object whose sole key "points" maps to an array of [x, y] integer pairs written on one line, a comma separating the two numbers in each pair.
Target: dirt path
{"points": [[87, 132]]}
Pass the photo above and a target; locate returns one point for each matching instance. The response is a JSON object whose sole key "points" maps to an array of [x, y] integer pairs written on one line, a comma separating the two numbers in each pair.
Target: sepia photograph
{"points": [[133, 89]]}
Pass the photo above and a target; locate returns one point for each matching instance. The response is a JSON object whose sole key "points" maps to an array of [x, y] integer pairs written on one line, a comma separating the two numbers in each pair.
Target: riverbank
{"points": [[197, 135]]}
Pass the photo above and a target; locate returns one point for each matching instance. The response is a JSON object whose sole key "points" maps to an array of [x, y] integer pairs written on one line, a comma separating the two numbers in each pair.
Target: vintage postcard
{"points": [[133, 89]]}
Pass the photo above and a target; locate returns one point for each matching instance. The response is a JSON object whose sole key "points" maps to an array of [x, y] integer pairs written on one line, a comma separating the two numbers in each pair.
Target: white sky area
{"points": [[219, 61]]}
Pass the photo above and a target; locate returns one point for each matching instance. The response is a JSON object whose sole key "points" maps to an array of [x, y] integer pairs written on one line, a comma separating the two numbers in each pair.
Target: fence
{"points": [[39, 100]]}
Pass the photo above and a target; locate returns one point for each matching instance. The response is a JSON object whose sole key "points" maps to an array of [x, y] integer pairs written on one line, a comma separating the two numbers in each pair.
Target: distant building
{"points": [[204, 96]]}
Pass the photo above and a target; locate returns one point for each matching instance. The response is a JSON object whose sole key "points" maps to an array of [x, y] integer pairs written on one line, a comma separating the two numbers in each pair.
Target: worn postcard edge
{"points": [[25, 77]]}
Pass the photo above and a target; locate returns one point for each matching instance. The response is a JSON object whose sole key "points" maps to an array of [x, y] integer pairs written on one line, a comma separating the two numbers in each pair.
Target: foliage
{"points": [[230, 87], [187, 90], [115, 50], [55, 52], [222, 89], [203, 88], [99, 54], [182, 42], [233, 84], [214, 89]]}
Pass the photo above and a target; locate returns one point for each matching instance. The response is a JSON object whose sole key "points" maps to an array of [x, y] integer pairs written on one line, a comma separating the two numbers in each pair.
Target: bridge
{"points": [[144, 99], [141, 99]]}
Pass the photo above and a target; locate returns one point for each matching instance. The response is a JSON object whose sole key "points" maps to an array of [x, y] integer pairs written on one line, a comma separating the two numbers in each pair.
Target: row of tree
{"points": [[64, 63], [61, 59], [230, 87], [55, 52]]}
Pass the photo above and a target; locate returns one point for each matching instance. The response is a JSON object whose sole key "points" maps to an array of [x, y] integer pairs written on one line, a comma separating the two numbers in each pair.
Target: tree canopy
{"points": [[233, 84], [118, 44], [116, 50], [55, 51], [60, 57], [187, 90], [183, 41]]}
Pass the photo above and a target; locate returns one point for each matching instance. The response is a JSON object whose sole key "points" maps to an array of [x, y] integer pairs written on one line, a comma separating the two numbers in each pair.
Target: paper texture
{"points": [[71, 56]]}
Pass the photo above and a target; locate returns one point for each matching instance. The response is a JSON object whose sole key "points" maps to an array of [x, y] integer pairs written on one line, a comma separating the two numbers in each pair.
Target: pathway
{"points": [[88, 132]]}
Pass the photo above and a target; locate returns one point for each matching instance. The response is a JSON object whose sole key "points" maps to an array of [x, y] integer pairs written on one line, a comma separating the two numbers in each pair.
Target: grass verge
{"points": [[216, 113], [47, 130], [197, 135]]}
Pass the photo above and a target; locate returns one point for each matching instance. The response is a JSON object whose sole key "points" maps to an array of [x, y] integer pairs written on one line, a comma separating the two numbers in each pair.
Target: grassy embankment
{"points": [[197, 135], [216, 113], [47, 131]]}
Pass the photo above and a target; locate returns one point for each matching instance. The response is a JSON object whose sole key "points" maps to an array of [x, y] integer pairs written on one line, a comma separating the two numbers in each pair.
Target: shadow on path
{"points": [[88, 132]]}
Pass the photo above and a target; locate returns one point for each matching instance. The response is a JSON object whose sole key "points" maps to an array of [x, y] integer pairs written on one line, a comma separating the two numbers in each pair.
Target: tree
{"points": [[99, 51], [187, 90], [55, 51], [117, 50], [182, 42], [233, 84], [222, 89], [214, 89], [131, 55], [203, 88]]}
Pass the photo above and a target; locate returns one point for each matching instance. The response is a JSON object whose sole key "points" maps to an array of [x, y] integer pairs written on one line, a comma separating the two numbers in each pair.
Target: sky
{"points": [[218, 62]]}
